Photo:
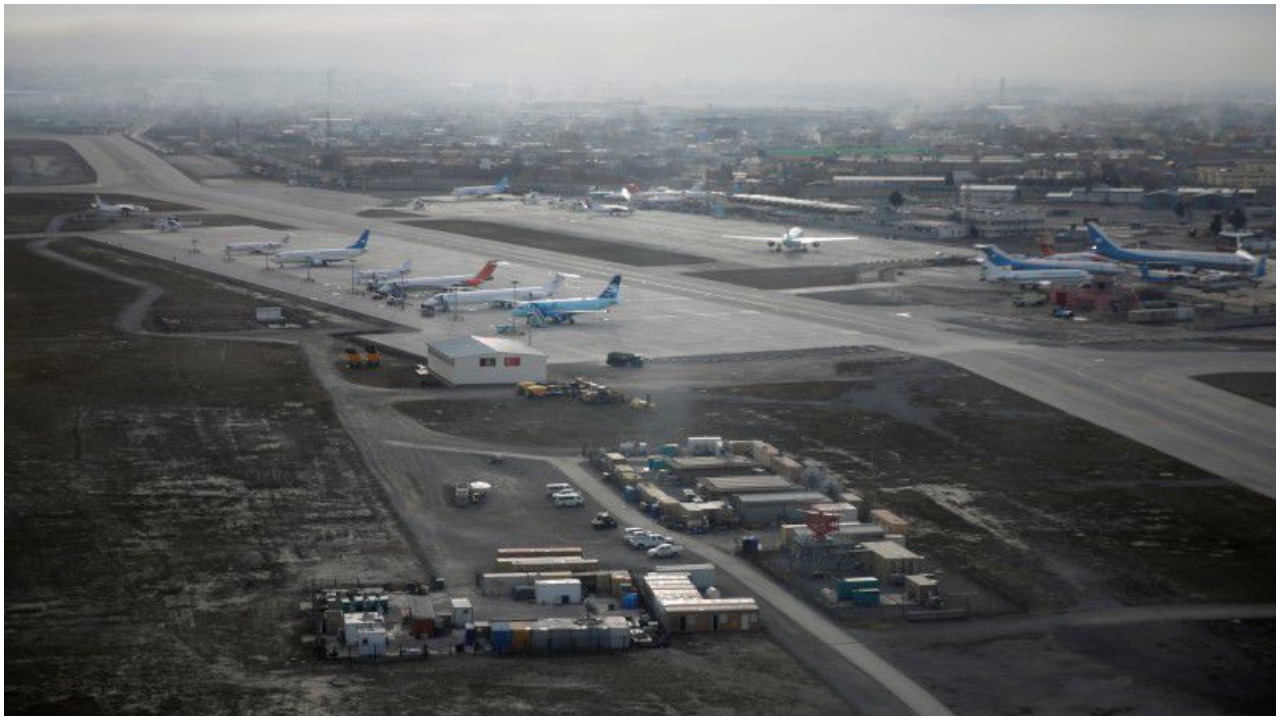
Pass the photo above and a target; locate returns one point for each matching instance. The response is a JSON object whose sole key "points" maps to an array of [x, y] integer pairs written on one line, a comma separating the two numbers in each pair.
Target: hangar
{"points": [[475, 360]]}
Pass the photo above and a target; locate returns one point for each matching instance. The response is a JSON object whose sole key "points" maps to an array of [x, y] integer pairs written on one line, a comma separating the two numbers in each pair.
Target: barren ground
{"points": [[168, 498]]}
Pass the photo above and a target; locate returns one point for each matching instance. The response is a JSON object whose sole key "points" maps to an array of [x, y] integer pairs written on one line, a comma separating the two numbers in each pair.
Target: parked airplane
{"points": [[269, 247], [324, 256], [119, 210], [1041, 276], [501, 297], [621, 195], [561, 311], [482, 190], [1165, 276], [1185, 260], [441, 282], [793, 239], [610, 209], [997, 257], [373, 276]]}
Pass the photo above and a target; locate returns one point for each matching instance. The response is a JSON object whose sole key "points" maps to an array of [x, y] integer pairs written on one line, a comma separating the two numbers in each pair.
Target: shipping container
{"points": [[504, 553], [557, 592], [890, 522]]}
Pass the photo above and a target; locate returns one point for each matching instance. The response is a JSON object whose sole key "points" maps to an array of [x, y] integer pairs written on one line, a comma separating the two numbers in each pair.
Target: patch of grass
{"points": [[614, 252], [1259, 387]]}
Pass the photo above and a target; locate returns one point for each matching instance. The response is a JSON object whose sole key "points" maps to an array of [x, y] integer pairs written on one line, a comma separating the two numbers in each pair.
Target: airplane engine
{"points": [[771, 244], [814, 244]]}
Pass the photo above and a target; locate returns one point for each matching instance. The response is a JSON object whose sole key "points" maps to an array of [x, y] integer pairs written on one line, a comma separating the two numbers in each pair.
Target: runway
{"points": [[1148, 397]]}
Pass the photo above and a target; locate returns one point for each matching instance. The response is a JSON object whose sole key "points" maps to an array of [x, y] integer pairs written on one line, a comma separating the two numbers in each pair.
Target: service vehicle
{"points": [[603, 521], [665, 550], [568, 498]]}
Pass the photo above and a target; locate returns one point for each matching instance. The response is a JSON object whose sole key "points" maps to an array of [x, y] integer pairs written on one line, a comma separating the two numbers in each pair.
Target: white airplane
{"points": [[500, 297], [793, 239], [324, 256], [268, 247], [377, 275], [440, 282], [622, 195], [610, 209], [1029, 278], [541, 312], [482, 190], [120, 210]]}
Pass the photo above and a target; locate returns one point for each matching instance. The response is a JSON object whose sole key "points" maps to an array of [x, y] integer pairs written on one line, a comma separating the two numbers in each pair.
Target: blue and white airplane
{"points": [[1185, 260], [323, 256], [999, 258], [562, 311], [482, 190]]}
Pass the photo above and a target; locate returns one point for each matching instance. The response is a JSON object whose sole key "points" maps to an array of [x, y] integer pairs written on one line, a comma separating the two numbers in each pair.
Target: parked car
{"points": [[603, 521], [568, 498], [665, 550], [553, 488], [647, 540]]}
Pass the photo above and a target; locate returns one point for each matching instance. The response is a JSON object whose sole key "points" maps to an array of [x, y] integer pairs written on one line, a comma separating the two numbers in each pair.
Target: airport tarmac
{"points": [[1224, 434]]}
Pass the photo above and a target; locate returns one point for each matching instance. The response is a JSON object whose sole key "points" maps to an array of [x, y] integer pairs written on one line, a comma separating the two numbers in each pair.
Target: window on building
{"points": [[511, 362], [488, 362]]}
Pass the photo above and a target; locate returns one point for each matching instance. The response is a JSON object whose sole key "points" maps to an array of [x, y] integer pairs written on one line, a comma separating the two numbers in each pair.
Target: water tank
{"points": [[712, 593]]}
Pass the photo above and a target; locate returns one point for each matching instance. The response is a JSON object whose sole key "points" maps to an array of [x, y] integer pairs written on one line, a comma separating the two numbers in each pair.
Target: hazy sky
{"points": [[1175, 46]]}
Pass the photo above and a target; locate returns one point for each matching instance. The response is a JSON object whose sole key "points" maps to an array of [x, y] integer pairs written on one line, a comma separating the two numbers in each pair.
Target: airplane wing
{"points": [[828, 239], [750, 237]]}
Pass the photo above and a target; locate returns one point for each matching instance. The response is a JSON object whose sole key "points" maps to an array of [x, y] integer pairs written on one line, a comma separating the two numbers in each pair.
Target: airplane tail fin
{"points": [[285, 240], [362, 242], [613, 291], [555, 282], [486, 272], [1260, 271], [406, 266], [626, 194], [1101, 242], [995, 255], [504, 184]]}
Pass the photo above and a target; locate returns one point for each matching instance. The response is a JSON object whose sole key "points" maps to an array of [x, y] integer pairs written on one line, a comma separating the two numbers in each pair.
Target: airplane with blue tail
{"points": [[999, 258], [563, 311], [324, 256], [1185, 260]]}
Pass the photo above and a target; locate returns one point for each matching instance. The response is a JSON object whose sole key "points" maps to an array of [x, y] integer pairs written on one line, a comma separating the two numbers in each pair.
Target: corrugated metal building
{"points": [[682, 609], [889, 560], [725, 485], [775, 507], [477, 360]]}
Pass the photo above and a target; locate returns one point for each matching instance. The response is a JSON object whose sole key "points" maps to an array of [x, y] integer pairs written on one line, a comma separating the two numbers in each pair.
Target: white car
{"points": [[568, 498], [665, 550], [647, 540]]}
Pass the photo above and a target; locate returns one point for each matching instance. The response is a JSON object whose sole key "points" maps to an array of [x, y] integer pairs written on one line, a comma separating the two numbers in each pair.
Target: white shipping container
{"points": [[557, 592]]}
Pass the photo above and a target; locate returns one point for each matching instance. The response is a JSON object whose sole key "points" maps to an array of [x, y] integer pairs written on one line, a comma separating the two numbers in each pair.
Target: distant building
{"points": [[1101, 194], [989, 194]]}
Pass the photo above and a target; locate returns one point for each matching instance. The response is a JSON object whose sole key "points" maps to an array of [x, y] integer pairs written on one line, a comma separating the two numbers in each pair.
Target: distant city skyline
{"points": [[1174, 48]]}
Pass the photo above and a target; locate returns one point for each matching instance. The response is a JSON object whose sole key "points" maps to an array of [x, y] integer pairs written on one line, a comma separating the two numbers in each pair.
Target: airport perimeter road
{"points": [[1145, 396]]}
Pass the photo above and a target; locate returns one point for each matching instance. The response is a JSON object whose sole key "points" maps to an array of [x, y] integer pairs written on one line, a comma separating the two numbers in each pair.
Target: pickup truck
{"points": [[665, 550]]}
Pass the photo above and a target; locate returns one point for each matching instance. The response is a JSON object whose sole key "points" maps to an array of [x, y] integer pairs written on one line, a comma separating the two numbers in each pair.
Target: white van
{"points": [[553, 488]]}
